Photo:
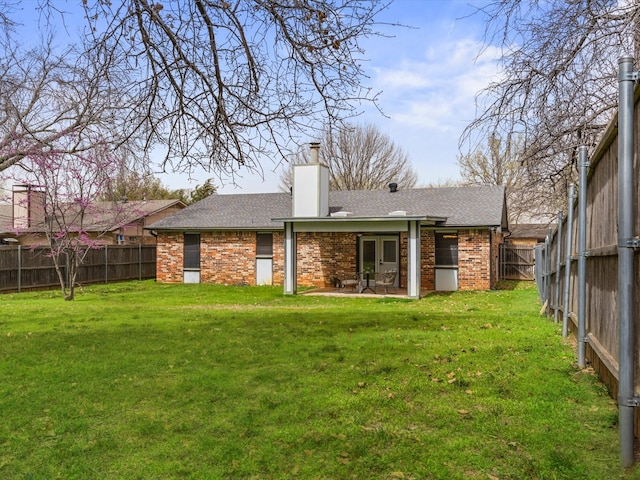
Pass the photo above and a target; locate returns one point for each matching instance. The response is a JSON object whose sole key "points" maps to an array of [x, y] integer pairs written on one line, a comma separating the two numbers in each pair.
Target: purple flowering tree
{"points": [[60, 187]]}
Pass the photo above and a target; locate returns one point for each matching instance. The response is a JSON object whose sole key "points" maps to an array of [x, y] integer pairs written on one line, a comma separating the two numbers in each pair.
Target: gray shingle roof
{"points": [[531, 230], [462, 206]]}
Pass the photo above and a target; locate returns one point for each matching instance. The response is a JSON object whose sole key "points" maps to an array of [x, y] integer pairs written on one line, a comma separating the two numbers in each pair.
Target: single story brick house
{"points": [[434, 238]]}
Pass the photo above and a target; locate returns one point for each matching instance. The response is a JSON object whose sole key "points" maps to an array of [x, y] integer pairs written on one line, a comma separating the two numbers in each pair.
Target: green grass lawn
{"points": [[147, 381]]}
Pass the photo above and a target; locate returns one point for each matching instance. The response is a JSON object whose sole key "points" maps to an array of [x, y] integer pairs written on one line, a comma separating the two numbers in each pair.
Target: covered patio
{"points": [[396, 223]]}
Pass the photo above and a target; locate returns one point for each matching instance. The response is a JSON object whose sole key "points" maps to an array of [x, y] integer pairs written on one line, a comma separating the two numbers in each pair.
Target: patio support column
{"points": [[290, 280], [414, 262]]}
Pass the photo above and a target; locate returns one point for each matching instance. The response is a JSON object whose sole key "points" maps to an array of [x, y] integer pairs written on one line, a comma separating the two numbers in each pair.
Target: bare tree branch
{"points": [[558, 85], [215, 84], [225, 83], [359, 158]]}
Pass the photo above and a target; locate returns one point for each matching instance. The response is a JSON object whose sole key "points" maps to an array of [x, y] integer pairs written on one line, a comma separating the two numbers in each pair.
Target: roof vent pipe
{"points": [[315, 148], [393, 187]]}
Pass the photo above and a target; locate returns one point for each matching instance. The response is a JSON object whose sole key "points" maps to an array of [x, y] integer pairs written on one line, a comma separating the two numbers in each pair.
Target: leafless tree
{"points": [[359, 158], [220, 84], [45, 95], [498, 163], [558, 87], [215, 84]]}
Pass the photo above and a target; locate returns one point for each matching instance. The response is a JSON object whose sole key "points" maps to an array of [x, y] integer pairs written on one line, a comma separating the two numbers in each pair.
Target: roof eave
{"points": [[422, 218], [214, 229]]}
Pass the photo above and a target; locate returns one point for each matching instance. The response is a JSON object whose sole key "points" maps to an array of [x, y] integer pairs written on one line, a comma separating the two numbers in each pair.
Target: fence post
{"points": [[139, 262], [19, 268], [540, 263], [106, 264], [547, 276], [567, 262], [626, 334], [558, 261], [583, 164]]}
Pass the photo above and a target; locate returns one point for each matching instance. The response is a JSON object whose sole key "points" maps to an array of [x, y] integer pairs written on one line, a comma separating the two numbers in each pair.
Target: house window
{"points": [[264, 258], [264, 244], [192, 250], [446, 249], [390, 251]]}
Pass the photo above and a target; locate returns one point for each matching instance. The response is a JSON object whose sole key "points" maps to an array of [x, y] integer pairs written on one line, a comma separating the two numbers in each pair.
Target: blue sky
{"points": [[429, 76]]}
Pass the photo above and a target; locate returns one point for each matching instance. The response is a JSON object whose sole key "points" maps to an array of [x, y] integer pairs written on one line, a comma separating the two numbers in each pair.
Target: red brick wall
{"points": [[278, 258], [322, 255], [225, 257], [169, 257], [473, 257], [428, 254], [474, 260], [229, 257]]}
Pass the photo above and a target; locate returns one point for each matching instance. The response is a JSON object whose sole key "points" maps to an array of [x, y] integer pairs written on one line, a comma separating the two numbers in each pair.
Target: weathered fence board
{"points": [[517, 262], [24, 268], [601, 315]]}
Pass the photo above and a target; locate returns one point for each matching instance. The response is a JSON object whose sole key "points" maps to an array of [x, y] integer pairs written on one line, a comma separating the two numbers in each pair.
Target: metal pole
{"points": [[583, 164], [567, 261], [558, 261], [626, 399], [290, 258], [539, 253], [547, 262]]}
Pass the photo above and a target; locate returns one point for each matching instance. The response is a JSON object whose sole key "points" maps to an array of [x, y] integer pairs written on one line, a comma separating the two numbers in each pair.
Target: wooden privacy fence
{"points": [[578, 271], [24, 268], [517, 262]]}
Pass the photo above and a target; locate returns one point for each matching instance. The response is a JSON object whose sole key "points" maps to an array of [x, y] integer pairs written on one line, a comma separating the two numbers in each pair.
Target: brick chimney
{"points": [[28, 206]]}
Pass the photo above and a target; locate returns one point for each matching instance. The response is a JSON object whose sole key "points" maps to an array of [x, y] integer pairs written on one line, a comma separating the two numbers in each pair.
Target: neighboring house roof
{"points": [[460, 206], [106, 216], [537, 231]]}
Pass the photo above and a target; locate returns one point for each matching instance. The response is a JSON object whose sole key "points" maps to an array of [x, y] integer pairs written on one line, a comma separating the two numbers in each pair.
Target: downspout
{"points": [[583, 164], [567, 261], [492, 261], [626, 243], [290, 270]]}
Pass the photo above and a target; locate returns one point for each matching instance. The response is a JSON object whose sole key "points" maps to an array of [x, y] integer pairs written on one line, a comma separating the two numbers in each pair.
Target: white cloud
{"points": [[439, 85]]}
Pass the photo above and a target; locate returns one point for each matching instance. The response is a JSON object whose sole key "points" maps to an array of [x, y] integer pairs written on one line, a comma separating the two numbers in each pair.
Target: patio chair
{"points": [[387, 280], [347, 280]]}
